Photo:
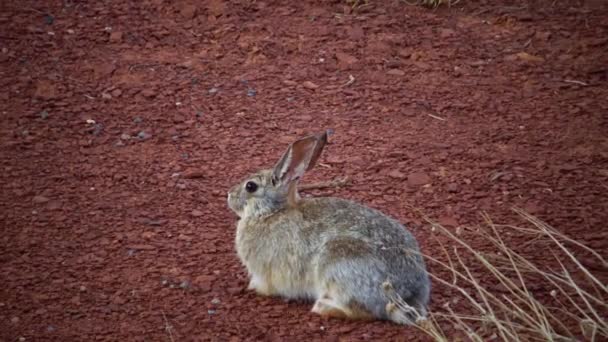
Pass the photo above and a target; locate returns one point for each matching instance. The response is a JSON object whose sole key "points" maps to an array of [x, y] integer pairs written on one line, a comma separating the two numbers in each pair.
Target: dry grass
{"points": [[427, 3], [432, 3], [567, 302]]}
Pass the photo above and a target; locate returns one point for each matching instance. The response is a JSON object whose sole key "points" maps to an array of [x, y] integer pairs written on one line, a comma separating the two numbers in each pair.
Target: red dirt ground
{"points": [[115, 228]]}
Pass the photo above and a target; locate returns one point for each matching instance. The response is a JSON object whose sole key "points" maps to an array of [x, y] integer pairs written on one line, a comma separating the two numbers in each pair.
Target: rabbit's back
{"points": [[368, 243], [334, 217]]}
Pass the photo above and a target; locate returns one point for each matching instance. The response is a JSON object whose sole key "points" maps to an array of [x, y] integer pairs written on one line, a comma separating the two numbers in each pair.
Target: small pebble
{"points": [[44, 114], [98, 129], [211, 312], [215, 301], [130, 252], [251, 92], [213, 90], [138, 119], [144, 135], [125, 136], [70, 31], [50, 328], [49, 19], [164, 282], [83, 288], [185, 284]]}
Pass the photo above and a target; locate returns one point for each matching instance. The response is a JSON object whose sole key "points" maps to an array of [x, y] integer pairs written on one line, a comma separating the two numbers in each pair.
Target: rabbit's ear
{"points": [[298, 157], [321, 141]]}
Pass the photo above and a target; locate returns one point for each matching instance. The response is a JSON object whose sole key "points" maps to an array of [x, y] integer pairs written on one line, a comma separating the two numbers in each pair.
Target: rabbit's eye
{"points": [[251, 187]]}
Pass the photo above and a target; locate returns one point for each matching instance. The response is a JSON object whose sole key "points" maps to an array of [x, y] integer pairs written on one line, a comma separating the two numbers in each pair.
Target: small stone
{"points": [[213, 91], [215, 301], [15, 320], [44, 114], [70, 31], [97, 129], [116, 92], [188, 11], [40, 199], [452, 187], [148, 235], [418, 179], [446, 33], [50, 328], [211, 312], [185, 284], [251, 92], [197, 213], [48, 19], [106, 96], [568, 167], [191, 174], [530, 58], [125, 136], [149, 93], [116, 37], [144, 135], [305, 117], [345, 60], [396, 72], [310, 85], [397, 174], [138, 119], [83, 288]]}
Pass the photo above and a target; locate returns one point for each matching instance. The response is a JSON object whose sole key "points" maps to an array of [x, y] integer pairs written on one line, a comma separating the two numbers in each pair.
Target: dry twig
{"points": [[168, 327]]}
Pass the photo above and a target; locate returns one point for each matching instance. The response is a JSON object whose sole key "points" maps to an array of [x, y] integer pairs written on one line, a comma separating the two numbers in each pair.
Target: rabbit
{"points": [[332, 251]]}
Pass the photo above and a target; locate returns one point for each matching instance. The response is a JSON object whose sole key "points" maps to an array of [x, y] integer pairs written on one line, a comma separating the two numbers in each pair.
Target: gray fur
{"points": [[325, 249]]}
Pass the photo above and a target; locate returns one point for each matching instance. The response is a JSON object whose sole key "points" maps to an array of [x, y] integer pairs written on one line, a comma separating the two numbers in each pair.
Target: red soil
{"points": [[117, 227]]}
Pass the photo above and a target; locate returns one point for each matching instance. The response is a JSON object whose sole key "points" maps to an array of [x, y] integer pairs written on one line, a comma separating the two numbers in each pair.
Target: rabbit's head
{"points": [[268, 191]]}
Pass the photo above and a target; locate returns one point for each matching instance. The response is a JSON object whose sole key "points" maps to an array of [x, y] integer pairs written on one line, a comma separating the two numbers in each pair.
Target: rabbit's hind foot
{"points": [[328, 307]]}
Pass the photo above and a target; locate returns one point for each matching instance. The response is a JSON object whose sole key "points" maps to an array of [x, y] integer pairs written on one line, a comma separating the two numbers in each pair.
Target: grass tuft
{"points": [[499, 293], [431, 3]]}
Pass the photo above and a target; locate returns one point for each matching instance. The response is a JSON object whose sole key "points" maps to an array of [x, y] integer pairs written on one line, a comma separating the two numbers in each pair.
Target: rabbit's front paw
{"points": [[260, 286]]}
